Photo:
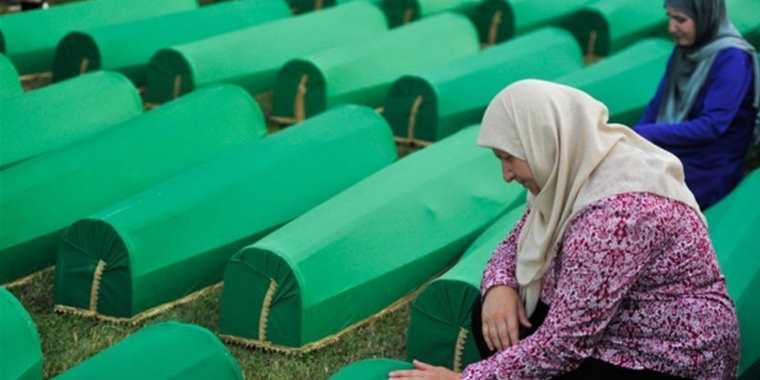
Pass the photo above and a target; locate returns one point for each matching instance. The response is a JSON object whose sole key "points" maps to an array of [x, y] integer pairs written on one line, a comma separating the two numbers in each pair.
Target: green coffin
{"points": [[436, 103], [251, 57], [734, 225], [30, 38], [440, 330], [128, 47], [499, 20], [42, 196], [169, 350], [176, 237], [370, 369], [9, 81], [626, 81], [362, 72], [365, 251], [55, 116], [20, 352], [745, 14], [401, 12], [607, 26]]}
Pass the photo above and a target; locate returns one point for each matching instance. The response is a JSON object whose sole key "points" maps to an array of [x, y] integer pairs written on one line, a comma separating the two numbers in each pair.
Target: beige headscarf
{"points": [[577, 158]]}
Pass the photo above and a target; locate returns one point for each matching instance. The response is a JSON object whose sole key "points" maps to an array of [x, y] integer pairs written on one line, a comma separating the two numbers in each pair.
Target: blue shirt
{"points": [[714, 139]]}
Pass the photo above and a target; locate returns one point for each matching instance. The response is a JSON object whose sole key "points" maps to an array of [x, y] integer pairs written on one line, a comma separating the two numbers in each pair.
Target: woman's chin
{"points": [[684, 43]]}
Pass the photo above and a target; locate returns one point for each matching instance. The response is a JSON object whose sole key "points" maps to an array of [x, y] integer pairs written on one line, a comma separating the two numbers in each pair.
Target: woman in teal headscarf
{"points": [[705, 108]]}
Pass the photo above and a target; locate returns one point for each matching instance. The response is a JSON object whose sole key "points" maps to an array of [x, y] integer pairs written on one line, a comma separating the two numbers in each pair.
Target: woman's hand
{"points": [[502, 315], [425, 371]]}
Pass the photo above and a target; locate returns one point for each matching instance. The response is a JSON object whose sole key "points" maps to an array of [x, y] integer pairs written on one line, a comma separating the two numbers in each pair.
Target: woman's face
{"points": [[513, 168], [681, 27]]}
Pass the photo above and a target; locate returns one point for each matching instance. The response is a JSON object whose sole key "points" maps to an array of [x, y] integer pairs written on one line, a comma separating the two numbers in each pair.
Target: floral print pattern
{"points": [[636, 284]]}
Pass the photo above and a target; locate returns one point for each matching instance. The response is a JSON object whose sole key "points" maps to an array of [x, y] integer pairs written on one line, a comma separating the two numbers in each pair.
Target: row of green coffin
{"points": [[496, 20], [177, 237], [176, 350], [107, 98], [54, 116], [358, 70], [362, 73], [29, 38], [113, 46], [43, 195], [440, 324], [408, 208], [259, 51], [9, 81], [432, 105], [128, 47]]}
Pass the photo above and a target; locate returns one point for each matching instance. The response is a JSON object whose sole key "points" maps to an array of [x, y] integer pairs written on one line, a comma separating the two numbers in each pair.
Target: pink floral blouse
{"points": [[636, 284]]}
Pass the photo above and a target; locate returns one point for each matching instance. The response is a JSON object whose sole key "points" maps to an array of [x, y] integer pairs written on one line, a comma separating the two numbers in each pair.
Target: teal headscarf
{"points": [[690, 65]]}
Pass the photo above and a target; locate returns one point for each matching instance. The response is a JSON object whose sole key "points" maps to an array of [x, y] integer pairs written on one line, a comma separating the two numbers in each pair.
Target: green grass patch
{"points": [[68, 340]]}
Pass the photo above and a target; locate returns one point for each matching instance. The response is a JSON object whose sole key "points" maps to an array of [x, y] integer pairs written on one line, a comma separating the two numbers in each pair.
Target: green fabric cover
{"points": [[400, 12], [734, 224], [444, 309], [626, 81], [55, 116], [617, 24], [169, 350], [375, 243], [520, 16], [745, 14], [370, 369], [251, 57], [128, 47], [42, 196], [362, 72], [29, 38], [176, 237], [9, 81], [456, 95], [20, 350]]}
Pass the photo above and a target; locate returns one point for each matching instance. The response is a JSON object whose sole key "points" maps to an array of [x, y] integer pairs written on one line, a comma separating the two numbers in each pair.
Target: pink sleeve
{"points": [[603, 252], [501, 267]]}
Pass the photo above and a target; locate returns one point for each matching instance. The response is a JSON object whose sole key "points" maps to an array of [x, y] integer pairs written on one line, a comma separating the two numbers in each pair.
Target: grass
{"points": [[68, 340]]}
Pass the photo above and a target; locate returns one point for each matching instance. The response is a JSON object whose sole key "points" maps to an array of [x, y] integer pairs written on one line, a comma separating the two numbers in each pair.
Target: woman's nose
{"points": [[508, 174], [672, 27]]}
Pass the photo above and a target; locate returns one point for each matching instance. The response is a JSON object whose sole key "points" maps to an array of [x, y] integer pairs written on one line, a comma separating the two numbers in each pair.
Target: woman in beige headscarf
{"points": [[612, 260]]}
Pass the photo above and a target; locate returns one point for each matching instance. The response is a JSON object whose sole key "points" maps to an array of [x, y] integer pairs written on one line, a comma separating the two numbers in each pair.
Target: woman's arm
{"points": [[501, 267], [604, 251], [727, 85]]}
